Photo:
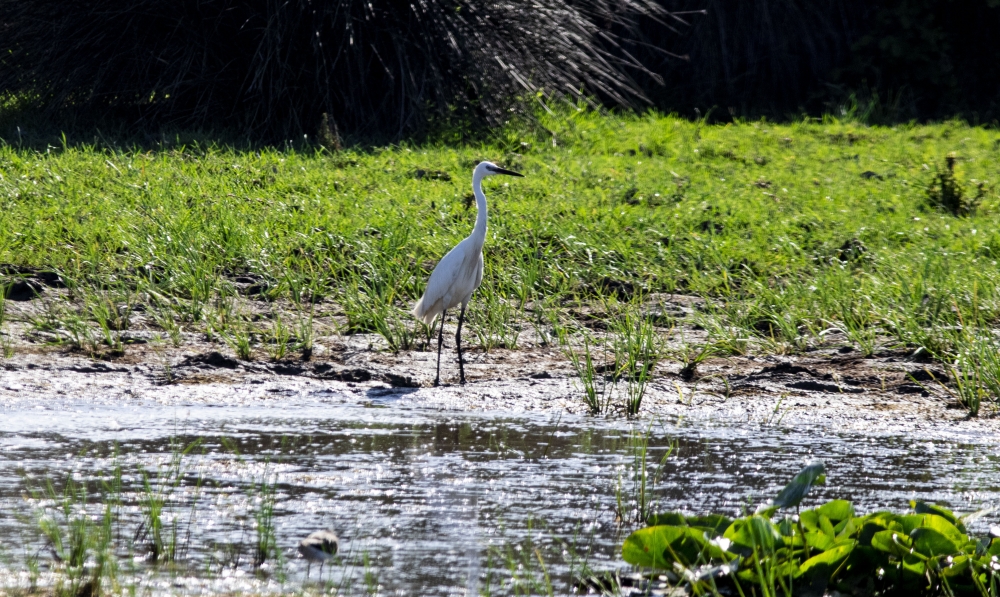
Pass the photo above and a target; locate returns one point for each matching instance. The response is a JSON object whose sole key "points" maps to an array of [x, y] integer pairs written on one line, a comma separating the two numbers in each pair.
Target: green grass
{"points": [[789, 229]]}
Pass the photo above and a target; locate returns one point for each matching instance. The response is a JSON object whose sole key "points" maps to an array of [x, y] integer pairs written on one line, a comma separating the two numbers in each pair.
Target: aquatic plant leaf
{"points": [[819, 540], [915, 564], [661, 546], [994, 549], [792, 494], [666, 518], [892, 542], [809, 520], [837, 510], [847, 528], [912, 521], [788, 528], [932, 543], [826, 526], [753, 532], [924, 508], [825, 563], [714, 524], [887, 520], [958, 566], [872, 526], [648, 547], [943, 526]]}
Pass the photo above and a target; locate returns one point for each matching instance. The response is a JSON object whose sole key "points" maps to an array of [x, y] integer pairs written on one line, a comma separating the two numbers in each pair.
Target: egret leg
{"points": [[458, 344], [437, 376], [308, 566]]}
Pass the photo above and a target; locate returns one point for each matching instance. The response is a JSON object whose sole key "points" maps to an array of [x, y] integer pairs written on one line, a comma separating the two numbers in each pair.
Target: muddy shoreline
{"points": [[829, 384], [886, 392]]}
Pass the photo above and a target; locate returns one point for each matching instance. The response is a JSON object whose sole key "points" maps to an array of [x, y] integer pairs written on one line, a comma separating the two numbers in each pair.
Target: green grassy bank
{"points": [[789, 229]]}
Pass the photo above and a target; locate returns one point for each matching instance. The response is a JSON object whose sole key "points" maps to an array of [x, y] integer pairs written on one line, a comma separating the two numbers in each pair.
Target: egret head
{"points": [[490, 169]]}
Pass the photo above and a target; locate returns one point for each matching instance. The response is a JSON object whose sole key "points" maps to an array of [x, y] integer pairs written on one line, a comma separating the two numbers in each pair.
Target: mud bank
{"points": [[830, 383], [885, 392]]}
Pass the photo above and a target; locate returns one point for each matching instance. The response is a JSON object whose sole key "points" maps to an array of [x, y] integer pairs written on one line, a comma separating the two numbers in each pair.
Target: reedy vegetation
{"points": [[789, 231]]}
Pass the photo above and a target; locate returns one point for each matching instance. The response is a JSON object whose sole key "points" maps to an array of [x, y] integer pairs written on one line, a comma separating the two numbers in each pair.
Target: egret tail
{"points": [[426, 313]]}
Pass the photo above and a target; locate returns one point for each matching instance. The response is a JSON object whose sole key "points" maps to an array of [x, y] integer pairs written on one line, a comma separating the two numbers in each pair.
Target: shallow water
{"points": [[436, 502]]}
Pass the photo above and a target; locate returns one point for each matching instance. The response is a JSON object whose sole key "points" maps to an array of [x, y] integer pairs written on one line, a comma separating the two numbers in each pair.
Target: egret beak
{"points": [[507, 172]]}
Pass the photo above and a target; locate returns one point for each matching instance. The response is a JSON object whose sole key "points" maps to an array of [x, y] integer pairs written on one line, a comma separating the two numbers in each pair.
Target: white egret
{"points": [[319, 547], [459, 273]]}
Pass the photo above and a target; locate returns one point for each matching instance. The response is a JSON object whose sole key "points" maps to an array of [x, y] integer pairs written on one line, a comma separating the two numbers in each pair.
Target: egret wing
{"points": [[453, 280]]}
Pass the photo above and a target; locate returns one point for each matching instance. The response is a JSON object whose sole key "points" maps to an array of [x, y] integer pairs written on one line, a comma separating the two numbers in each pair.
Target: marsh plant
{"points": [[306, 333], [636, 351], [494, 317], [81, 543], [280, 341], [635, 494], [926, 551], [160, 529], [946, 191], [371, 308], [525, 570], [143, 516], [976, 372], [623, 368], [597, 389], [239, 334], [263, 497]]}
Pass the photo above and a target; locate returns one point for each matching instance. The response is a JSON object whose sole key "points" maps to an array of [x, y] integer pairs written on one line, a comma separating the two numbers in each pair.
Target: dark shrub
{"points": [[377, 68]]}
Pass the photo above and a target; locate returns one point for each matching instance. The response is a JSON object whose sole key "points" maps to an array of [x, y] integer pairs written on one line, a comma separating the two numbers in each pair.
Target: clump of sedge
{"points": [[946, 192]]}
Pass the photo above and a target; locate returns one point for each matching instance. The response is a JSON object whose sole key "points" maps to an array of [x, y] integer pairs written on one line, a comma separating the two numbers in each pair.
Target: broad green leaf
{"points": [[994, 549], [924, 508], [666, 518], [911, 521], [826, 562], [693, 548], [873, 526], [714, 524], [943, 526], [648, 547], [837, 510], [892, 542], [660, 546], [931, 543], [913, 563], [847, 528], [818, 540], [753, 532], [788, 527], [826, 526], [886, 520], [809, 519], [786, 569], [957, 567], [792, 494]]}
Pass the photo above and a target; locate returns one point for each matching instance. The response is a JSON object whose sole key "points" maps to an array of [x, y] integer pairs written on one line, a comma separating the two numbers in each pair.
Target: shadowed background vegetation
{"points": [[384, 70], [380, 69], [884, 61]]}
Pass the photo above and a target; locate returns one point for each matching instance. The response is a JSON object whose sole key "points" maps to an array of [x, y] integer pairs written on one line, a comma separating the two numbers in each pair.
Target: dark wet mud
{"points": [[888, 390]]}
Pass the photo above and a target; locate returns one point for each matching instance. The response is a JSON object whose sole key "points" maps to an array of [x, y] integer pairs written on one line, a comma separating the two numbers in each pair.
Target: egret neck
{"points": [[479, 232]]}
